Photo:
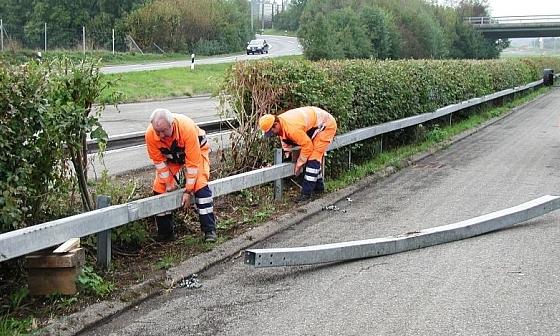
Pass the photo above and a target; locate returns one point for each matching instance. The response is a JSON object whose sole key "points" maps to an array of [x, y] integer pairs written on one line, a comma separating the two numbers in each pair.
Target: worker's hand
{"points": [[170, 187], [186, 201], [287, 154]]}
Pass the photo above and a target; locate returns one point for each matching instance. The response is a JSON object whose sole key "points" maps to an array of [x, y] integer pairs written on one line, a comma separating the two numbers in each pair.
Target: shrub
{"points": [[361, 93], [46, 114]]}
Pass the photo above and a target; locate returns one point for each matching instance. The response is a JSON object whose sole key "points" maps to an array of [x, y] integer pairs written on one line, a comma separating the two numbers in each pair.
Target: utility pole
{"points": [[45, 37], [84, 38], [252, 28], [262, 16], [2, 33]]}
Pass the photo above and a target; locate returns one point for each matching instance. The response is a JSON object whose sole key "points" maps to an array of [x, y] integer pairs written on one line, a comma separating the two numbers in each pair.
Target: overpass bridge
{"points": [[503, 27]]}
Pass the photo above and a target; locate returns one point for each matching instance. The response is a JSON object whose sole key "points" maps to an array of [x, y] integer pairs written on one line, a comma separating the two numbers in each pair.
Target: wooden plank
{"points": [[70, 259], [70, 244], [47, 281]]}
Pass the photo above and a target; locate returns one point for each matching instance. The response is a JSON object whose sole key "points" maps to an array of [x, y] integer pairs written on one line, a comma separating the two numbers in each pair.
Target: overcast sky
{"points": [[524, 7]]}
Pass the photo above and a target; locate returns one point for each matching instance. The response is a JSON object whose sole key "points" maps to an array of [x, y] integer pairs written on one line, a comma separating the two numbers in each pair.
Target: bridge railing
{"points": [[496, 20], [34, 238]]}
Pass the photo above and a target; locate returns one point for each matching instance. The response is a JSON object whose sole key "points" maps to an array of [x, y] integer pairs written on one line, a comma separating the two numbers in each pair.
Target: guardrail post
{"points": [[278, 184], [324, 168], [103, 237], [548, 77]]}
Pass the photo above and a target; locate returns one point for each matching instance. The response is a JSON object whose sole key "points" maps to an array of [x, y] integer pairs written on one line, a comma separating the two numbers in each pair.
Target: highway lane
{"points": [[123, 160], [134, 117], [503, 283], [279, 46]]}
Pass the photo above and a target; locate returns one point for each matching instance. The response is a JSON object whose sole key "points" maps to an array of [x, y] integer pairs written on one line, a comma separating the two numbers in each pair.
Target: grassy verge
{"points": [[279, 32], [168, 83], [435, 137], [107, 57], [158, 84]]}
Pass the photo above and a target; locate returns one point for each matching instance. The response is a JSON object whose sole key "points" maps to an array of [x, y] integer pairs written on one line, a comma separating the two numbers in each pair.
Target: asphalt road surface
{"points": [[503, 283], [134, 117], [279, 46], [120, 161], [128, 118]]}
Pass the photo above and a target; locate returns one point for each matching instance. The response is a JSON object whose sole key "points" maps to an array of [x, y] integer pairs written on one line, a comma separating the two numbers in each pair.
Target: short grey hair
{"points": [[160, 113]]}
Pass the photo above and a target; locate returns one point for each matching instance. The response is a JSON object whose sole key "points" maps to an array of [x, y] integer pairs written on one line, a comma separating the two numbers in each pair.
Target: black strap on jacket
{"points": [[174, 154]]}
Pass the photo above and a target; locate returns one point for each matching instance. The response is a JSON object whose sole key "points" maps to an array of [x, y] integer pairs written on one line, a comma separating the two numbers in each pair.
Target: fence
{"points": [[23, 241], [46, 37], [528, 19]]}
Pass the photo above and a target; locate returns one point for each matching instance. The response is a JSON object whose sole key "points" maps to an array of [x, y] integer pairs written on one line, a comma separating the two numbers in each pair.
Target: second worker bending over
{"points": [[311, 128]]}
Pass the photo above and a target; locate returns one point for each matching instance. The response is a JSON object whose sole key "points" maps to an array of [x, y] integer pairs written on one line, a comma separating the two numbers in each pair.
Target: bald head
{"points": [[162, 123]]}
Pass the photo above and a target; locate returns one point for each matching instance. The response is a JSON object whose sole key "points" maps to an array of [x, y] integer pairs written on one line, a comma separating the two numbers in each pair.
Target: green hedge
{"points": [[46, 112], [361, 93]]}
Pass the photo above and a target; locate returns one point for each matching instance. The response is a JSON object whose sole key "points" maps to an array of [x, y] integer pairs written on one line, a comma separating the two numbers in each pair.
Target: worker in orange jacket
{"points": [[311, 128], [176, 146]]}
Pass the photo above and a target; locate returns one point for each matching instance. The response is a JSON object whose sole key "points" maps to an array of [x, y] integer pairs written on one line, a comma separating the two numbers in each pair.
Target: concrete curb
{"points": [[100, 312]]}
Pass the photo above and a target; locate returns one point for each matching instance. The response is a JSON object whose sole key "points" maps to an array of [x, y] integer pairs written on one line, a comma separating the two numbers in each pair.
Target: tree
{"points": [[290, 18], [64, 20], [319, 39], [217, 25], [350, 33], [381, 31]]}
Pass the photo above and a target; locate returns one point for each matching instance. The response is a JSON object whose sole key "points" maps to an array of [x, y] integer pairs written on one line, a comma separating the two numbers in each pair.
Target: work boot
{"points": [[167, 237], [319, 187], [302, 198], [165, 228], [319, 191], [210, 236]]}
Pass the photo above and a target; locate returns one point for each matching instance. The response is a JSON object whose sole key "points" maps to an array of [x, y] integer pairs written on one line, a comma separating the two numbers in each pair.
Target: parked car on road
{"points": [[258, 46]]}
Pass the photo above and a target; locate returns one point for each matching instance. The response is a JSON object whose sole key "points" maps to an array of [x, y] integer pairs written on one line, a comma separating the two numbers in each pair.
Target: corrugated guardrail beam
{"points": [[135, 138], [23, 241], [369, 132], [37, 237], [273, 257]]}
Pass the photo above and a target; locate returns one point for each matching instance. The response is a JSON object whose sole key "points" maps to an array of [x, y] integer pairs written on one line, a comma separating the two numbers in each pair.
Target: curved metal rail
{"points": [[137, 138]]}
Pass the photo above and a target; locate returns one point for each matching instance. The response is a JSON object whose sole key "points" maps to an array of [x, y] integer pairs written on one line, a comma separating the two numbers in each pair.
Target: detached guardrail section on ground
{"points": [[294, 256], [31, 239]]}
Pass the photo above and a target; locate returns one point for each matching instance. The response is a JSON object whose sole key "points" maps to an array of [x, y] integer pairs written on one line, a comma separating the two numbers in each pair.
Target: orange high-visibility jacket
{"points": [[187, 146], [300, 126]]}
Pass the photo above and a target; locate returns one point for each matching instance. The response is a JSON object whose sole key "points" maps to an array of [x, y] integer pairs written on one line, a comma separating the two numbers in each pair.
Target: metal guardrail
{"points": [[27, 240], [317, 254], [496, 20], [137, 138]]}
